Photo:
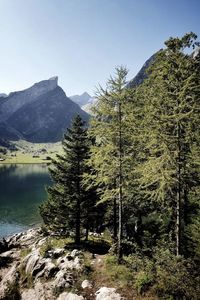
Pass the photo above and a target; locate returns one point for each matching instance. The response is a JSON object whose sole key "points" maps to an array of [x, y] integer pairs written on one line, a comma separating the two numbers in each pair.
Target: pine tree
{"points": [[69, 205]]}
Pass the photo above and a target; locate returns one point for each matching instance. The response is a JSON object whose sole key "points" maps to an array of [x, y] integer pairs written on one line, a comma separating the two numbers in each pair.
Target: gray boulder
{"points": [[63, 280], [86, 284], [69, 296], [105, 293]]}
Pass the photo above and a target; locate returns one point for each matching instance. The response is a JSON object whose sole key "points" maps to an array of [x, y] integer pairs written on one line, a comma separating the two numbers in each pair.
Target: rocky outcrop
{"points": [[41, 291], [31, 272], [10, 278]]}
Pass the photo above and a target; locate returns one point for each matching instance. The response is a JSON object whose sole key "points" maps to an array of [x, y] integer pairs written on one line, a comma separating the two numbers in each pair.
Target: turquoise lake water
{"points": [[22, 189]]}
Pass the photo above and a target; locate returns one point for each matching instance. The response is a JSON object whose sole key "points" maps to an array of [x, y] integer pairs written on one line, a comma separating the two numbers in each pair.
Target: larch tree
{"points": [[109, 157], [171, 129]]}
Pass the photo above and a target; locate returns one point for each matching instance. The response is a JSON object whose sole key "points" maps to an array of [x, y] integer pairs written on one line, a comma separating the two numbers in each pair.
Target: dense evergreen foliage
{"points": [[144, 166], [69, 205]]}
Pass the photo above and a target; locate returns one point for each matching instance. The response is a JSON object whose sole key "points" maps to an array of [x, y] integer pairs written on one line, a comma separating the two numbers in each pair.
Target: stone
{"points": [[105, 293], [31, 260], [3, 246], [23, 238], [40, 265], [69, 296], [40, 242], [10, 277], [8, 253], [63, 280], [69, 262], [75, 253], [50, 269], [44, 291], [29, 294], [55, 253], [41, 291], [86, 284]]}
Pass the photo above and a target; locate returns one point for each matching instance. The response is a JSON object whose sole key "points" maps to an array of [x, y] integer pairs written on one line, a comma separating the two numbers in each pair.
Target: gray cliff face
{"points": [[41, 113], [16, 100]]}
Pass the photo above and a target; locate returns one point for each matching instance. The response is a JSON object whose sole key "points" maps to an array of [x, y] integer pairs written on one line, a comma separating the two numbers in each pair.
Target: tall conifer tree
{"points": [[109, 153], [69, 204]]}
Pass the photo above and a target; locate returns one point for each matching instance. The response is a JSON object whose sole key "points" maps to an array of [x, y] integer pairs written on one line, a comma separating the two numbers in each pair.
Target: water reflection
{"points": [[22, 189]]}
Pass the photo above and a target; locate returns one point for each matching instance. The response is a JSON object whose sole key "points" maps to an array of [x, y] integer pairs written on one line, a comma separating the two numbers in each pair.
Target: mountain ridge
{"points": [[40, 113]]}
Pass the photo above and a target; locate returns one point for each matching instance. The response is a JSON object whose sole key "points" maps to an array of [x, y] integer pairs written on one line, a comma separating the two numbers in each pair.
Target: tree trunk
{"points": [[115, 220], [120, 253], [78, 208], [77, 238], [178, 197]]}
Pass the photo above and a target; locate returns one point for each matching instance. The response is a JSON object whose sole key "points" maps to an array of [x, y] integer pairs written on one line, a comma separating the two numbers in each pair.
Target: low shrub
{"points": [[120, 274], [143, 281], [176, 277]]}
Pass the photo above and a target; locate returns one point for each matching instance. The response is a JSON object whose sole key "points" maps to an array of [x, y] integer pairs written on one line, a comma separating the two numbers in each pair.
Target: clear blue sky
{"points": [[82, 41]]}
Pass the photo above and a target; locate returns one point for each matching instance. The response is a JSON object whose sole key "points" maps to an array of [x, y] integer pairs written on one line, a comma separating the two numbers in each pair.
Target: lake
{"points": [[22, 189]]}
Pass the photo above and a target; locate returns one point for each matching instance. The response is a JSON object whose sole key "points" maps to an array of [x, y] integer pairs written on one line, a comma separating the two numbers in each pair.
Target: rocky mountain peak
{"points": [[3, 95], [44, 86], [85, 94], [15, 100]]}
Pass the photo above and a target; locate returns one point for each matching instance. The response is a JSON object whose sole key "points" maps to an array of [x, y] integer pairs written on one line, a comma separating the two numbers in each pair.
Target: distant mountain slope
{"points": [[142, 74], [40, 113], [85, 101], [81, 99]]}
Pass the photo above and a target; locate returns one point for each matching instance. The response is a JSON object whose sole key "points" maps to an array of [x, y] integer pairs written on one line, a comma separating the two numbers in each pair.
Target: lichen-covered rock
{"points": [[105, 293], [69, 296]]}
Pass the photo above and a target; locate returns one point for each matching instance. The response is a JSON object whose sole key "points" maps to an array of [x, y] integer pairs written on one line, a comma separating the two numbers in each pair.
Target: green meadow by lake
{"points": [[22, 189]]}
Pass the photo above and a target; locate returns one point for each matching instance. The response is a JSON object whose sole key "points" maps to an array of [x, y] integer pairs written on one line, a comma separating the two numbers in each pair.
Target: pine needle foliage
{"points": [[67, 207]]}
